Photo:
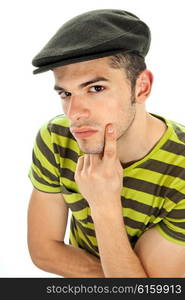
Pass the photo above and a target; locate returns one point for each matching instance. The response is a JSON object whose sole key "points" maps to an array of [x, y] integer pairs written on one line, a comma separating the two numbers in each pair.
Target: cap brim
{"points": [[63, 62]]}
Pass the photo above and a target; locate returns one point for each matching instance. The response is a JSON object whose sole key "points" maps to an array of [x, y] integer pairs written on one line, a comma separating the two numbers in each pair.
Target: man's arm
{"points": [[100, 181], [153, 255], [47, 220], [117, 256], [159, 256]]}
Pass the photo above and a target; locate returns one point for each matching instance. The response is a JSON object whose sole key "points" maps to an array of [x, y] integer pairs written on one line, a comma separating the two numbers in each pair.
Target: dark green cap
{"points": [[92, 35]]}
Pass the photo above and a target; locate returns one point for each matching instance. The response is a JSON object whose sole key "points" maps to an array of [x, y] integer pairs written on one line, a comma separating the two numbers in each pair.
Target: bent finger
{"points": [[80, 164], [86, 161], [95, 159]]}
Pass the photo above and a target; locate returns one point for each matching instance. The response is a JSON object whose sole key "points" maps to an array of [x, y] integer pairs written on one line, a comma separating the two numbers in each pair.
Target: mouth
{"points": [[83, 132]]}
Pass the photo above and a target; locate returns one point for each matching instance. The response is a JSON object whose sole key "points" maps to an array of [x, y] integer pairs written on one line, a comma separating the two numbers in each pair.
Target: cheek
{"points": [[112, 111], [115, 104], [111, 107], [115, 111]]}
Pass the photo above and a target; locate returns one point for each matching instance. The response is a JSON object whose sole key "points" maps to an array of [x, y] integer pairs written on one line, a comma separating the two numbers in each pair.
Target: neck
{"points": [[140, 138]]}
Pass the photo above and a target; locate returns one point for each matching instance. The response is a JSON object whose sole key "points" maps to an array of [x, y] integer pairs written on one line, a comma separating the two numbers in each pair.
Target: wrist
{"points": [[109, 210]]}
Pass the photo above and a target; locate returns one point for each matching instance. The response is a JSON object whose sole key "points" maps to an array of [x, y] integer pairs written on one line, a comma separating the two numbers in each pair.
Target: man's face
{"points": [[93, 94]]}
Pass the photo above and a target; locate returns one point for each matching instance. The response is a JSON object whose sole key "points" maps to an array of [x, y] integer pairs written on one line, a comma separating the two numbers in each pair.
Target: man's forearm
{"points": [[68, 261], [117, 257]]}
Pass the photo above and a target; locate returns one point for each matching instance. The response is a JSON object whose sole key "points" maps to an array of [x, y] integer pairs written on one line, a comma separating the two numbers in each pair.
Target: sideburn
{"points": [[132, 98]]}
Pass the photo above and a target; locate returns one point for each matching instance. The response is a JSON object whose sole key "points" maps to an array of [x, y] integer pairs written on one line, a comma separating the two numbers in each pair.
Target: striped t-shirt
{"points": [[153, 192]]}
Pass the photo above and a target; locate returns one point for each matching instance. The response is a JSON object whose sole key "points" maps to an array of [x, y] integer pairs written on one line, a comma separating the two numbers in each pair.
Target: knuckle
{"points": [[92, 173], [77, 174], [80, 158], [108, 174]]}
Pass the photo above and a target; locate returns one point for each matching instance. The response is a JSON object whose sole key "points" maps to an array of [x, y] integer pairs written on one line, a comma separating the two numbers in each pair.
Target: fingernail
{"points": [[110, 129]]}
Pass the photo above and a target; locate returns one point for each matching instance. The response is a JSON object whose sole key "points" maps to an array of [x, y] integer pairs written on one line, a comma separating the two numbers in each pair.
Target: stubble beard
{"points": [[98, 149]]}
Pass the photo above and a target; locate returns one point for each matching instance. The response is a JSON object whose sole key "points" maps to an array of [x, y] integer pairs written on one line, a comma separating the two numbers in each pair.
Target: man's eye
{"points": [[96, 88], [64, 95]]}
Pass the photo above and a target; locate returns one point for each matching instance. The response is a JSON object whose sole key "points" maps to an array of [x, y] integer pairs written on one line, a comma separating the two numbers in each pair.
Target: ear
{"points": [[143, 86]]}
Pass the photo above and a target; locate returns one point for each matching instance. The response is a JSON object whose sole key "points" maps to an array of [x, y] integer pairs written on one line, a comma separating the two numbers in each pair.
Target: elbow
{"points": [[44, 254], [39, 261], [38, 254]]}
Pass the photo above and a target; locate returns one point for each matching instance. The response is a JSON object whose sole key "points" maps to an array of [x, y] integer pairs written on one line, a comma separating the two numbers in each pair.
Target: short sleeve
{"points": [[172, 227], [44, 169]]}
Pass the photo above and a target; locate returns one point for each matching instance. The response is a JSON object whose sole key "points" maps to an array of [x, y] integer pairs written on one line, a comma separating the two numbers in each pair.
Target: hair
{"points": [[132, 63]]}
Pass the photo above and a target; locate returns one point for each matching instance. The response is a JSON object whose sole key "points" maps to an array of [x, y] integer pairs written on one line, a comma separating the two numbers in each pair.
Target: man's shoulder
{"points": [[59, 120], [58, 126], [179, 131], [56, 131]]}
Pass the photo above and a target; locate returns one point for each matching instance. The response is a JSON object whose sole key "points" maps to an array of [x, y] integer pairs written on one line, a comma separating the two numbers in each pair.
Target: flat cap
{"points": [[92, 35]]}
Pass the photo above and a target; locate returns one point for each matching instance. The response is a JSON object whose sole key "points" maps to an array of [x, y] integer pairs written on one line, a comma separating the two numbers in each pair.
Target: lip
{"points": [[82, 129], [84, 134]]}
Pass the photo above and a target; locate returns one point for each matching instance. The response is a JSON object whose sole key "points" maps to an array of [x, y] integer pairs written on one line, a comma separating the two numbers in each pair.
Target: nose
{"points": [[77, 108]]}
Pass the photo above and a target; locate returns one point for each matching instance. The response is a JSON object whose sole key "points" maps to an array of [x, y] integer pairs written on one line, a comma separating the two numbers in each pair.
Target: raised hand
{"points": [[99, 177]]}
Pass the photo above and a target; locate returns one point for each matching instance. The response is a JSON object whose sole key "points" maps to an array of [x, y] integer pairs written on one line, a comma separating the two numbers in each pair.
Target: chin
{"points": [[98, 149]]}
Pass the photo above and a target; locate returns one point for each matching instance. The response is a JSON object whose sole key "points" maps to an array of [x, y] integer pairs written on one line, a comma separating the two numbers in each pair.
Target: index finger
{"points": [[110, 148]]}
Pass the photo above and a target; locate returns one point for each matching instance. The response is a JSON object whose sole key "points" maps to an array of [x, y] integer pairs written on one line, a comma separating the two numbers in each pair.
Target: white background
{"points": [[28, 100]]}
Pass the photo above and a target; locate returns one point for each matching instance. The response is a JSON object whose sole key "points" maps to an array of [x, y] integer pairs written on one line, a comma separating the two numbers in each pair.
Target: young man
{"points": [[119, 169]]}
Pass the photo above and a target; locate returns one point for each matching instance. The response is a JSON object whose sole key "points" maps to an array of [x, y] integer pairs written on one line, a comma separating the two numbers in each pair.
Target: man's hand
{"points": [[99, 177]]}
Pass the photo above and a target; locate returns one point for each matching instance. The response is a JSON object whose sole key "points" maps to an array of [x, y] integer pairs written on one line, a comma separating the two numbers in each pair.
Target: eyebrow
{"points": [[84, 84]]}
